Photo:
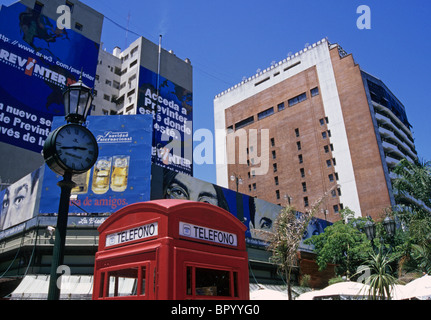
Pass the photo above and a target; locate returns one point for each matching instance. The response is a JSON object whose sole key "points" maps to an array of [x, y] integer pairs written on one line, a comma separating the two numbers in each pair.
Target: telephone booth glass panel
{"points": [[203, 282], [124, 281]]}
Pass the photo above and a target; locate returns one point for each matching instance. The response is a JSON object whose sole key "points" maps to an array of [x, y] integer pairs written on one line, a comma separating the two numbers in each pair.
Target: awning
{"points": [[35, 287]]}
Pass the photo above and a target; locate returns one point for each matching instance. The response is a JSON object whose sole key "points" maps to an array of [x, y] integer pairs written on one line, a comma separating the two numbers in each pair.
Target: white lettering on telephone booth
{"points": [[207, 234], [138, 233]]}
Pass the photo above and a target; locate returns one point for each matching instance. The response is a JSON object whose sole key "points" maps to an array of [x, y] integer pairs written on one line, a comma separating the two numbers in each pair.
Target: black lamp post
{"points": [[59, 155], [389, 225], [237, 179], [370, 230]]}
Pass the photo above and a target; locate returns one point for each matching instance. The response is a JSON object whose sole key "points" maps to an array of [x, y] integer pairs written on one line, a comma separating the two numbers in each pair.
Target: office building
{"points": [[323, 125]]}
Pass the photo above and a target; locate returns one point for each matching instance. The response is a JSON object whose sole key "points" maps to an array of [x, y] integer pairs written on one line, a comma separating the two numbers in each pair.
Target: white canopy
{"points": [[419, 289]]}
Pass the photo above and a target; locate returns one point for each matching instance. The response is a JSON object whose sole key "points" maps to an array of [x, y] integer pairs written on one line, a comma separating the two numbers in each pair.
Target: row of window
{"points": [[270, 111]]}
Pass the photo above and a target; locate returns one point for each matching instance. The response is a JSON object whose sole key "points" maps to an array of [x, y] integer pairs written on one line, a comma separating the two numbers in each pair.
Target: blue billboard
{"points": [[257, 215], [121, 175], [171, 107], [37, 61]]}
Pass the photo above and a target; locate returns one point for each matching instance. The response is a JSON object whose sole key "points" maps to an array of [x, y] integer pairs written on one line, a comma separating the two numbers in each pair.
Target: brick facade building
{"points": [[322, 125]]}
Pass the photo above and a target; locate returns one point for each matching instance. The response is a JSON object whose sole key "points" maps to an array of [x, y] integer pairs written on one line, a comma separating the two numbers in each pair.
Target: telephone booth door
{"points": [[128, 278]]}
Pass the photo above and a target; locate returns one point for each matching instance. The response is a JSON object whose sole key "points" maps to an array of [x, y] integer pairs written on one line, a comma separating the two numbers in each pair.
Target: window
{"points": [[332, 147], [108, 82], [314, 91], [331, 177], [134, 50], [322, 121], [333, 193], [334, 162], [336, 209], [328, 163], [38, 7], [272, 142], [274, 166], [297, 132], [300, 158], [302, 171], [297, 99], [326, 149], [244, 122], [78, 26], [276, 181], [266, 113], [280, 106], [254, 186], [249, 187], [336, 176], [274, 156], [125, 282], [339, 192], [298, 145], [324, 135], [304, 186], [134, 63], [211, 282], [107, 97], [305, 201], [70, 5], [277, 194]]}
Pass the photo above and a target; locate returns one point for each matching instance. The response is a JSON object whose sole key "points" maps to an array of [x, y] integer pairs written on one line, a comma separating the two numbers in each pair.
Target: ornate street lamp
{"points": [[370, 230], [70, 149], [389, 225], [77, 102], [237, 180]]}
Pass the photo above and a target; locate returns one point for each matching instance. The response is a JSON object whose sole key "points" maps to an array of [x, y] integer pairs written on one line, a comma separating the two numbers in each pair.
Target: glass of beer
{"points": [[81, 181], [120, 173], [101, 175]]}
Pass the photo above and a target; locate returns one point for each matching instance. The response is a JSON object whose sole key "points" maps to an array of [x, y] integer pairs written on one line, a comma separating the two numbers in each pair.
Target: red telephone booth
{"points": [[171, 250]]}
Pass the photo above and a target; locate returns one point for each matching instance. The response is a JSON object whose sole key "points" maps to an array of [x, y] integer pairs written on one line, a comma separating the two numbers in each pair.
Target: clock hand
{"points": [[74, 148]]}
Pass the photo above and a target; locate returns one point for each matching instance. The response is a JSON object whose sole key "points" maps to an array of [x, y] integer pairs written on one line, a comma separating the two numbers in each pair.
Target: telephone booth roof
{"points": [[170, 215]]}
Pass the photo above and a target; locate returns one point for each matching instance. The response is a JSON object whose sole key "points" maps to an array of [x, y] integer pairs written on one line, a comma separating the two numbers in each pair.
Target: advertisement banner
{"points": [[171, 107], [121, 175], [19, 200], [37, 61], [256, 214]]}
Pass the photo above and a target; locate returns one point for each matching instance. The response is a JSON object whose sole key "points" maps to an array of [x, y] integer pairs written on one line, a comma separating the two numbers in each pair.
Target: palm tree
{"points": [[380, 280]]}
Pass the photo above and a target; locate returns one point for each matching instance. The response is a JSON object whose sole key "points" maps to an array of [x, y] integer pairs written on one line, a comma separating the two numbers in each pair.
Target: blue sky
{"points": [[229, 40]]}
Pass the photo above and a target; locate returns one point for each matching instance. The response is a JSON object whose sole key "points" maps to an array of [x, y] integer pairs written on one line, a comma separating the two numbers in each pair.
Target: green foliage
{"points": [[414, 250], [342, 243], [415, 180]]}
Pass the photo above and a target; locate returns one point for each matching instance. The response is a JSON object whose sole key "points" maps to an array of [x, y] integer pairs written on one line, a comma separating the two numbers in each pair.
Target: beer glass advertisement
{"points": [[19, 200], [121, 175], [41, 59], [257, 215], [171, 107]]}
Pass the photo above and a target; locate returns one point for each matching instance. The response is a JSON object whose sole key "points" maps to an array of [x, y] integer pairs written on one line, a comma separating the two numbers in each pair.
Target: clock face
{"points": [[73, 148]]}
